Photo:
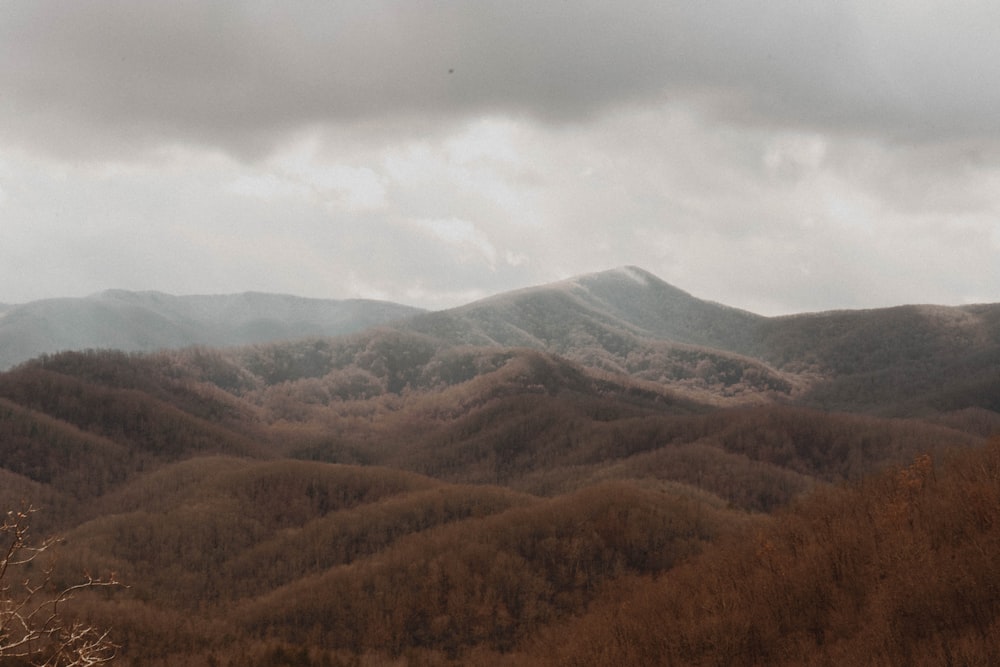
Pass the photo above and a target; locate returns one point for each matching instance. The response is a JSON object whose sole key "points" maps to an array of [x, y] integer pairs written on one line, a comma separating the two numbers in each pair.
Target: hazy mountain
{"points": [[609, 308], [142, 321], [901, 360], [625, 320], [904, 359]]}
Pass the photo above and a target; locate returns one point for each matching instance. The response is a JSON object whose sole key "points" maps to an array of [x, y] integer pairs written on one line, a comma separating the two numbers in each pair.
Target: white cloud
{"points": [[470, 242], [792, 154], [516, 258], [778, 157], [487, 140], [354, 188], [266, 186], [300, 172]]}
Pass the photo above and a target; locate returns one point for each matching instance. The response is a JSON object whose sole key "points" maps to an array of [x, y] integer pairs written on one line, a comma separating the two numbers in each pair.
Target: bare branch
{"points": [[31, 624]]}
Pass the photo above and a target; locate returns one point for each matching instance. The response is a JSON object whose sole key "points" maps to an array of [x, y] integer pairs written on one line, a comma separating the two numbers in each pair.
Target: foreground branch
{"points": [[32, 627]]}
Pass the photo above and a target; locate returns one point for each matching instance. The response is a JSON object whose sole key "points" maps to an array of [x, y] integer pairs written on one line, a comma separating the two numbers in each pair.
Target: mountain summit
{"points": [[611, 309]]}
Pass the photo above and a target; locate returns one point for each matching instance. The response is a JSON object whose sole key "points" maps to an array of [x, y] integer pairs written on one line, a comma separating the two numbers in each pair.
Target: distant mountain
{"points": [[894, 361], [145, 321], [623, 304], [902, 360], [625, 320]]}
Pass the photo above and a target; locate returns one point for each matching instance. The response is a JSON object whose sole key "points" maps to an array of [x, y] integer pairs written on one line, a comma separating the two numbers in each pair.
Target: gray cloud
{"points": [[778, 156], [242, 75]]}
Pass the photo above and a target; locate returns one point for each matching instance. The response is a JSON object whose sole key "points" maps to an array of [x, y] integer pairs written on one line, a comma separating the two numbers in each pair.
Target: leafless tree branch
{"points": [[32, 626]]}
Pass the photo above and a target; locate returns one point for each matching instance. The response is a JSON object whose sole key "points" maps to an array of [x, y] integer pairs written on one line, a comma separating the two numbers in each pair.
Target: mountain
{"points": [[604, 470], [627, 321], [905, 360], [597, 308], [902, 360], [145, 321]]}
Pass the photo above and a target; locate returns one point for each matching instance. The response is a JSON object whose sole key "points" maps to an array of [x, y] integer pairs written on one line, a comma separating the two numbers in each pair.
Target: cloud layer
{"points": [[777, 156]]}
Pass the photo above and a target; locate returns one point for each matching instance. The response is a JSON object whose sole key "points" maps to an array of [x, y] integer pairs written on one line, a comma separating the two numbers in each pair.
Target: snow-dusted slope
{"points": [[625, 302]]}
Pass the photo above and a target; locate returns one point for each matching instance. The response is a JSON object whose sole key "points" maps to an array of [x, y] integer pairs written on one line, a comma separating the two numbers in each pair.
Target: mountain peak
{"points": [[594, 311], [627, 277], [634, 273]]}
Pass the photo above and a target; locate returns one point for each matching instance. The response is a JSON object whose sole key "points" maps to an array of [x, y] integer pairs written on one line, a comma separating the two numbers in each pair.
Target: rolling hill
{"points": [[527, 479]]}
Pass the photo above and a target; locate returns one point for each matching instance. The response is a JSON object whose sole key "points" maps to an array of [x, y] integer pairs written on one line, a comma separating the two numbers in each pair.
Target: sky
{"points": [[781, 157]]}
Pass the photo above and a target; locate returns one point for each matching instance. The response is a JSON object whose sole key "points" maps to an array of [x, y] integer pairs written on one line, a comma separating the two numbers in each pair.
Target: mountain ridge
{"points": [[903, 359], [150, 320]]}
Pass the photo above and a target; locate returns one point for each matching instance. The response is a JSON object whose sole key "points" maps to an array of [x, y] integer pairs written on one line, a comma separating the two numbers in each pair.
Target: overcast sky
{"points": [[777, 156]]}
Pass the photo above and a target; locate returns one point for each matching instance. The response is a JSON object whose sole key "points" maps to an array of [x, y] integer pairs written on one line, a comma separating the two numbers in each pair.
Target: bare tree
{"points": [[33, 629]]}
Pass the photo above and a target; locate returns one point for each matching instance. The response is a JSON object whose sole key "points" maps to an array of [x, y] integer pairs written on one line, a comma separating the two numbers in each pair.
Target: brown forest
{"points": [[414, 495]]}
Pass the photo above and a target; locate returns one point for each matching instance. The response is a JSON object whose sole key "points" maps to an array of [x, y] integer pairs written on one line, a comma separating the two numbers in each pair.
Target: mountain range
{"points": [[905, 359], [526, 479], [147, 321]]}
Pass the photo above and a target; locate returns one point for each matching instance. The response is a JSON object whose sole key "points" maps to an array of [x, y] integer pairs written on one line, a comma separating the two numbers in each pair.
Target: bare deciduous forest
{"points": [[530, 481]]}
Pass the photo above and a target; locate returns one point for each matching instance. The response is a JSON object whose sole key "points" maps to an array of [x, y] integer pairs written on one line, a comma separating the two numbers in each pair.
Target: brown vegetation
{"points": [[392, 498], [898, 569]]}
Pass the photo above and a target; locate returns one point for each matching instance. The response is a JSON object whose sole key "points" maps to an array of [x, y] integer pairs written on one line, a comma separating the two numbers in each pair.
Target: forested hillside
{"points": [[899, 570], [564, 475]]}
